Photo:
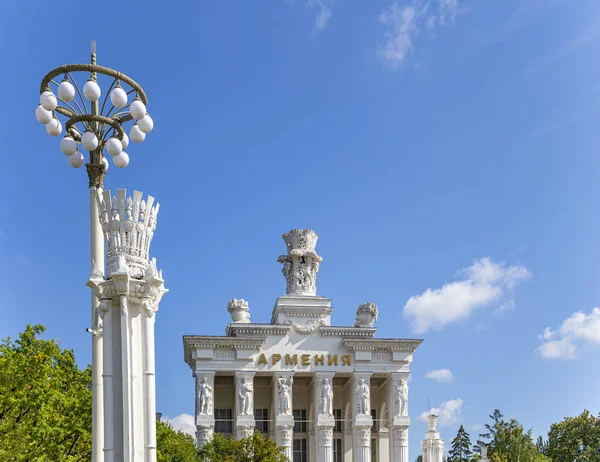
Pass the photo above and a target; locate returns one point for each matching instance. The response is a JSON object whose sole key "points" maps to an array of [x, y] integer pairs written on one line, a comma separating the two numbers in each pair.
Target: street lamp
{"points": [[98, 127]]}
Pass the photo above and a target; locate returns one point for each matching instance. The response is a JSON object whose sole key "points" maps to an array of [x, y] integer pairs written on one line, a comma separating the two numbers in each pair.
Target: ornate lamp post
{"points": [[97, 126]]}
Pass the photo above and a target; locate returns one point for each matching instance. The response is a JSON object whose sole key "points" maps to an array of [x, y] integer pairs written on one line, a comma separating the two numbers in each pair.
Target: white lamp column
{"points": [[244, 399], [432, 446], [363, 421], [129, 297], [283, 405], [398, 399]]}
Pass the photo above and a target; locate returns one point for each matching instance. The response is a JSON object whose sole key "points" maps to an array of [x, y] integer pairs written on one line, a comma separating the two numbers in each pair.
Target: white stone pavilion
{"points": [[326, 393]]}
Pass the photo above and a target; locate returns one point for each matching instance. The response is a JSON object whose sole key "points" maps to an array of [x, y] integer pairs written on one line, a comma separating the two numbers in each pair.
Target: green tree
{"points": [[254, 448], [575, 439], [45, 401], [509, 442], [174, 445], [461, 447], [419, 459]]}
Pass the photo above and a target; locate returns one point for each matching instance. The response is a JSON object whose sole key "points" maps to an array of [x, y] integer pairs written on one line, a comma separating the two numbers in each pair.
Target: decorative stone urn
{"points": [[366, 315], [239, 310]]}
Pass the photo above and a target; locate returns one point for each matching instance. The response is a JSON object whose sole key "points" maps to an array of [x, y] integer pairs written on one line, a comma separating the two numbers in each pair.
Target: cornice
{"points": [[345, 332], [192, 342], [244, 330], [406, 345]]}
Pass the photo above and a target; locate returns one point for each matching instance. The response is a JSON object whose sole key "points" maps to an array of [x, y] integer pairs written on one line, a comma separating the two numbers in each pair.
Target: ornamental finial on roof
{"points": [[301, 264]]}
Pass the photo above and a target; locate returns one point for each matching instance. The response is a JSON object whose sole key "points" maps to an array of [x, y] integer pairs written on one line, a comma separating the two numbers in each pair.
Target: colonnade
{"points": [[357, 423]]}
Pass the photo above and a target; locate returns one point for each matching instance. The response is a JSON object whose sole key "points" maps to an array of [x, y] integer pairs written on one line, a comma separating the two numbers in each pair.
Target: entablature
{"points": [[193, 343]]}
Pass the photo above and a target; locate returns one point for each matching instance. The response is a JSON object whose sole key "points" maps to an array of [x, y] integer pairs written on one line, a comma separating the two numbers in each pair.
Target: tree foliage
{"points": [[576, 439], [45, 401], [254, 448], [507, 441], [461, 447], [174, 445]]}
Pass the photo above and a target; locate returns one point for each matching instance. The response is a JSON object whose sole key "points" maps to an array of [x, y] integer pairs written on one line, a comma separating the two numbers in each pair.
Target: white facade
{"points": [[129, 296], [324, 392]]}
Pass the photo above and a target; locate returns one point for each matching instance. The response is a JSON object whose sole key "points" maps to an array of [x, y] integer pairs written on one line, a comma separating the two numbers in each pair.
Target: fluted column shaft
{"points": [[106, 311], [148, 318], [324, 444]]}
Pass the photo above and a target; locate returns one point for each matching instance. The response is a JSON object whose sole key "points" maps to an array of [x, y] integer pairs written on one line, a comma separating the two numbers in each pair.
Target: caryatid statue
{"points": [[205, 398], [326, 400], [246, 397], [402, 398], [363, 398], [284, 392]]}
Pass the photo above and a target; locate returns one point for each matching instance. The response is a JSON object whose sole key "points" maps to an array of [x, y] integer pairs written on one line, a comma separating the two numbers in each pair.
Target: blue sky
{"points": [[445, 151]]}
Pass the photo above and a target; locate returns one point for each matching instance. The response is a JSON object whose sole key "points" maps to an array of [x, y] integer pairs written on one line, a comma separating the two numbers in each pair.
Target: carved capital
{"points": [[285, 436], [96, 175], [325, 436], [400, 436], [363, 436], [204, 434], [149, 306]]}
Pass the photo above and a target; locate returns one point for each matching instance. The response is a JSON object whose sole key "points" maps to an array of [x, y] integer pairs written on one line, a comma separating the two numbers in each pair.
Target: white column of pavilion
{"points": [[361, 404], [324, 419], [283, 404], [400, 422], [244, 404], [205, 417]]}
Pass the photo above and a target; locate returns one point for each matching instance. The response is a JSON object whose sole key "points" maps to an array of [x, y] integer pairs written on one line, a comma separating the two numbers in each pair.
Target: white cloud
{"points": [[440, 375], [183, 422], [448, 10], [448, 413], [476, 428], [485, 281], [325, 12], [404, 22], [578, 330]]}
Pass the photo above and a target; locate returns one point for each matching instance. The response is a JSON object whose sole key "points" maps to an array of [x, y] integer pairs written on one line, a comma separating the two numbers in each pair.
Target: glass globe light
{"points": [[122, 160], [91, 90], [54, 127], [113, 146], [105, 163], [89, 140], [66, 91], [118, 97], [43, 115], [146, 124], [76, 159], [137, 109], [136, 134], [48, 101], [68, 145], [125, 140]]}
